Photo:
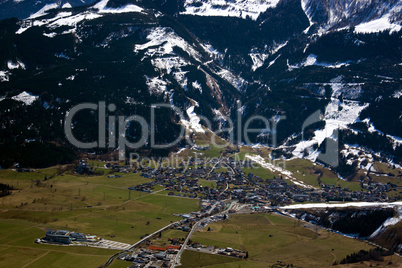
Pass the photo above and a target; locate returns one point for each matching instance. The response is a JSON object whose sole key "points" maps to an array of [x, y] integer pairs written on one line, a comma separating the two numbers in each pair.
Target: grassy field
{"points": [[96, 205], [17, 249], [197, 259], [305, 170], [204, 183], [260, 172], [269, 238], [395, 177], [119, 264]]}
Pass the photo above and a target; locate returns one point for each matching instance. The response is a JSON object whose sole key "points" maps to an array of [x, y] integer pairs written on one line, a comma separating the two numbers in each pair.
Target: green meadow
{"points": [[269, 238], [96, 205]]}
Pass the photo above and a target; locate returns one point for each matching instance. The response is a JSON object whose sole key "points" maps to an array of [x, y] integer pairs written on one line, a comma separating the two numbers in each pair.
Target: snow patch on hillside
{"points": [[258, 60], [222, 8], [197, 85], [277, 169], [371, 128], [25, 97], [389, 222], [102, 8], [214, 53], [50, 35], [71, 77], [259, 57], [43, 10], [311, 60], [353, 153], [68, 19], [181, 78], [4, 76], [397, 94], [61, 19], [172, 65], [156, 85], [368, 16], [308, 14], [276, 47], [18, 65], [273, 61], [378, 25], [66, 6], [193, 124], [64, 19], [162, 41], [338, 115], [160, 46], [169, 63], [236, 81]]}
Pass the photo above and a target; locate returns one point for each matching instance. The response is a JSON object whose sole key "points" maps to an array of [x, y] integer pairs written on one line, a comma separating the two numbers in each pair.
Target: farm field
{"points": [[270, 238], [17, 249], [96, 205], [102, 205], [306, 171], [198, 259]]}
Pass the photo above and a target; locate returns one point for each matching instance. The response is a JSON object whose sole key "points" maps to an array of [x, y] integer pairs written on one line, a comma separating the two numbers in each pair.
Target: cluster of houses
{"points": [[157, 253], [150, 257], [252, 189], [183, 181], [222, 251], [84, 168], [233, 253]]}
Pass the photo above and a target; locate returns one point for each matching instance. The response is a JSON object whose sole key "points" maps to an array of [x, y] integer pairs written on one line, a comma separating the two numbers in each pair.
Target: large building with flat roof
{"points": [[59, 236]]}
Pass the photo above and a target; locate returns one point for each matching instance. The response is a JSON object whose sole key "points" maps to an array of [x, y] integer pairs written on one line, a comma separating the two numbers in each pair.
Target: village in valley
{"points": [[222, 186]]}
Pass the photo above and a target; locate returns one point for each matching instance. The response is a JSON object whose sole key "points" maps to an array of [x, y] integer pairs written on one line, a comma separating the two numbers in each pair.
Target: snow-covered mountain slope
{"points": [[338, 115], [237, 8], [134, 54], [64, 17], [389, 222], [154, 58], [22, 9], [365, 15], [388, 234]]}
